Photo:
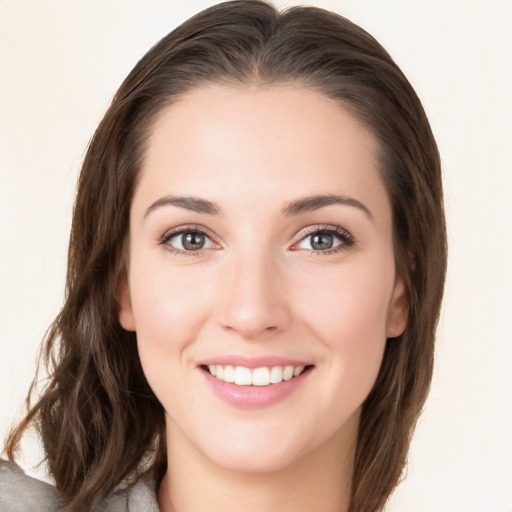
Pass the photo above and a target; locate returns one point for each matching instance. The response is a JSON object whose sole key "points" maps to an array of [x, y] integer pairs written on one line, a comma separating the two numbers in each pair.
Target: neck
{"points": [[318, 481]]}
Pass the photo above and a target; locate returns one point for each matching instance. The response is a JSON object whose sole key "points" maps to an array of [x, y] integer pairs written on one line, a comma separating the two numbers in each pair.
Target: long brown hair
{"points": [[98, 419]]}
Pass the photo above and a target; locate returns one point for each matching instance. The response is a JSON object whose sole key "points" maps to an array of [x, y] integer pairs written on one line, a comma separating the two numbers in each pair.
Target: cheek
{"points": [[167, 303], [349, 317], [350, 304], [169, 309]]}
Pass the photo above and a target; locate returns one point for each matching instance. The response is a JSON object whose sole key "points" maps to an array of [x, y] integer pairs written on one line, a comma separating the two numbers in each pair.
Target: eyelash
{"points": [[346, 239], [192, 229]]}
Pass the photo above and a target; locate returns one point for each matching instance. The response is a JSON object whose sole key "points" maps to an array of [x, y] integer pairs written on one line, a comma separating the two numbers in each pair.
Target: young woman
{"points": [[256, 267]]}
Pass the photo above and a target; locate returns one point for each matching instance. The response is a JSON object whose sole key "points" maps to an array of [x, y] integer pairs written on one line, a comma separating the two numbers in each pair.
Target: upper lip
{"points": [[252, 362]]}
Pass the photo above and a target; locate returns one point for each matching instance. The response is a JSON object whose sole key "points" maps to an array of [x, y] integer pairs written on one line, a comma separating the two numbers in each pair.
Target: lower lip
{"points": [[253, 397]]}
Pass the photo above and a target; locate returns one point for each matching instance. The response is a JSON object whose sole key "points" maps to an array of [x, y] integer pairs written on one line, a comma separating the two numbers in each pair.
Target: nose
{"points": [[252, 299]]}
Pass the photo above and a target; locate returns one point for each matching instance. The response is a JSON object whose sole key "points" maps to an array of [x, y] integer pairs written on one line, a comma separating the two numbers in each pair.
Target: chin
{"points": [[254, 461]]}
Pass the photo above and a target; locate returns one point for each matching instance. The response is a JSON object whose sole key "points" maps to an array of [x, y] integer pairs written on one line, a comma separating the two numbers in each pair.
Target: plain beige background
{"points": [[60, 63]]}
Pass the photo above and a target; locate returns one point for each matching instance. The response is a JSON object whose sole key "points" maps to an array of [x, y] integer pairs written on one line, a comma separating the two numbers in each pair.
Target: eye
{"points": [[325, 239], [188, 240]]}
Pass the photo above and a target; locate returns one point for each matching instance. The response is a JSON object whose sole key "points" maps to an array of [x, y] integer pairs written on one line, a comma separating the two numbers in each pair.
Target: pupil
{"points": [[193, 241], [322, 241]]}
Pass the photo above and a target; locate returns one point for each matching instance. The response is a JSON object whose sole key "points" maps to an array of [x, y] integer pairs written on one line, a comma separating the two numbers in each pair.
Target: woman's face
{"points": [[261, 247]]}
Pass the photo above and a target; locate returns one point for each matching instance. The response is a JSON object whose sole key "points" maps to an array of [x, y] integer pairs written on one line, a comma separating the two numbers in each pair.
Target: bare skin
{"points": [[260, 231]]}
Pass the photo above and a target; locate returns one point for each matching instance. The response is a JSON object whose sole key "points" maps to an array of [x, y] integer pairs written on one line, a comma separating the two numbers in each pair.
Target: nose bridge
{"points": [[252, 300]]}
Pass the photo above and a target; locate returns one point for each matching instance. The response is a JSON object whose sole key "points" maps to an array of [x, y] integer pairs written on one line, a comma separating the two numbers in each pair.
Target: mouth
{"points": [[261, 377]]}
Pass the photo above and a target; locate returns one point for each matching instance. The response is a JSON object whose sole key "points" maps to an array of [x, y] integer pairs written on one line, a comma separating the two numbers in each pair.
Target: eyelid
{"points": [[188, 228], [346, 238]]}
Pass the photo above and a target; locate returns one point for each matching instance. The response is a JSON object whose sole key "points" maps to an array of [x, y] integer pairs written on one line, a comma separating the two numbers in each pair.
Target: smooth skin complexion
{"points": [[260, 237]]}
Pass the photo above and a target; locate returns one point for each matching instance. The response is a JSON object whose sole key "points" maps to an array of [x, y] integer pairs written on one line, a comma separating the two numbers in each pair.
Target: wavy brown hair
{"points": [[99, 421]]}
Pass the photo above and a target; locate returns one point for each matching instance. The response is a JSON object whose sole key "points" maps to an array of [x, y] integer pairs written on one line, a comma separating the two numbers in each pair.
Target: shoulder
{"points": [[139, 497], [22, 493]]}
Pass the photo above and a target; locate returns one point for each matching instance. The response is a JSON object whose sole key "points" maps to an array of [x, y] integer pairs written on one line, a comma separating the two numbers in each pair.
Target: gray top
{"points": [[22, 493]]}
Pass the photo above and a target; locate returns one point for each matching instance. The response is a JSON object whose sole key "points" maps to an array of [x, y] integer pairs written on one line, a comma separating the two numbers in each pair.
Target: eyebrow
{"points": [[189, 203], [302, 205], [311, 203]]}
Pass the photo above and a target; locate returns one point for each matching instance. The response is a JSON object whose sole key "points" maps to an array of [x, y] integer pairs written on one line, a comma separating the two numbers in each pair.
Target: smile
{"points": [[254, 382], [264, 376]]}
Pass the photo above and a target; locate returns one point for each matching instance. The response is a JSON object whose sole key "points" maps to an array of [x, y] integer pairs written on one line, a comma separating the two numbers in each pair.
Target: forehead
{"points": [[254, 142]]}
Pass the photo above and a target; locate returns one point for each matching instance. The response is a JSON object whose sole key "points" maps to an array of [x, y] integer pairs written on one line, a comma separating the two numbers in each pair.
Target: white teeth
{"points": [[287, 372], [258, 377], [298, 371], [261, 377], [276, 375], [229, 373], [243, 376]]}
